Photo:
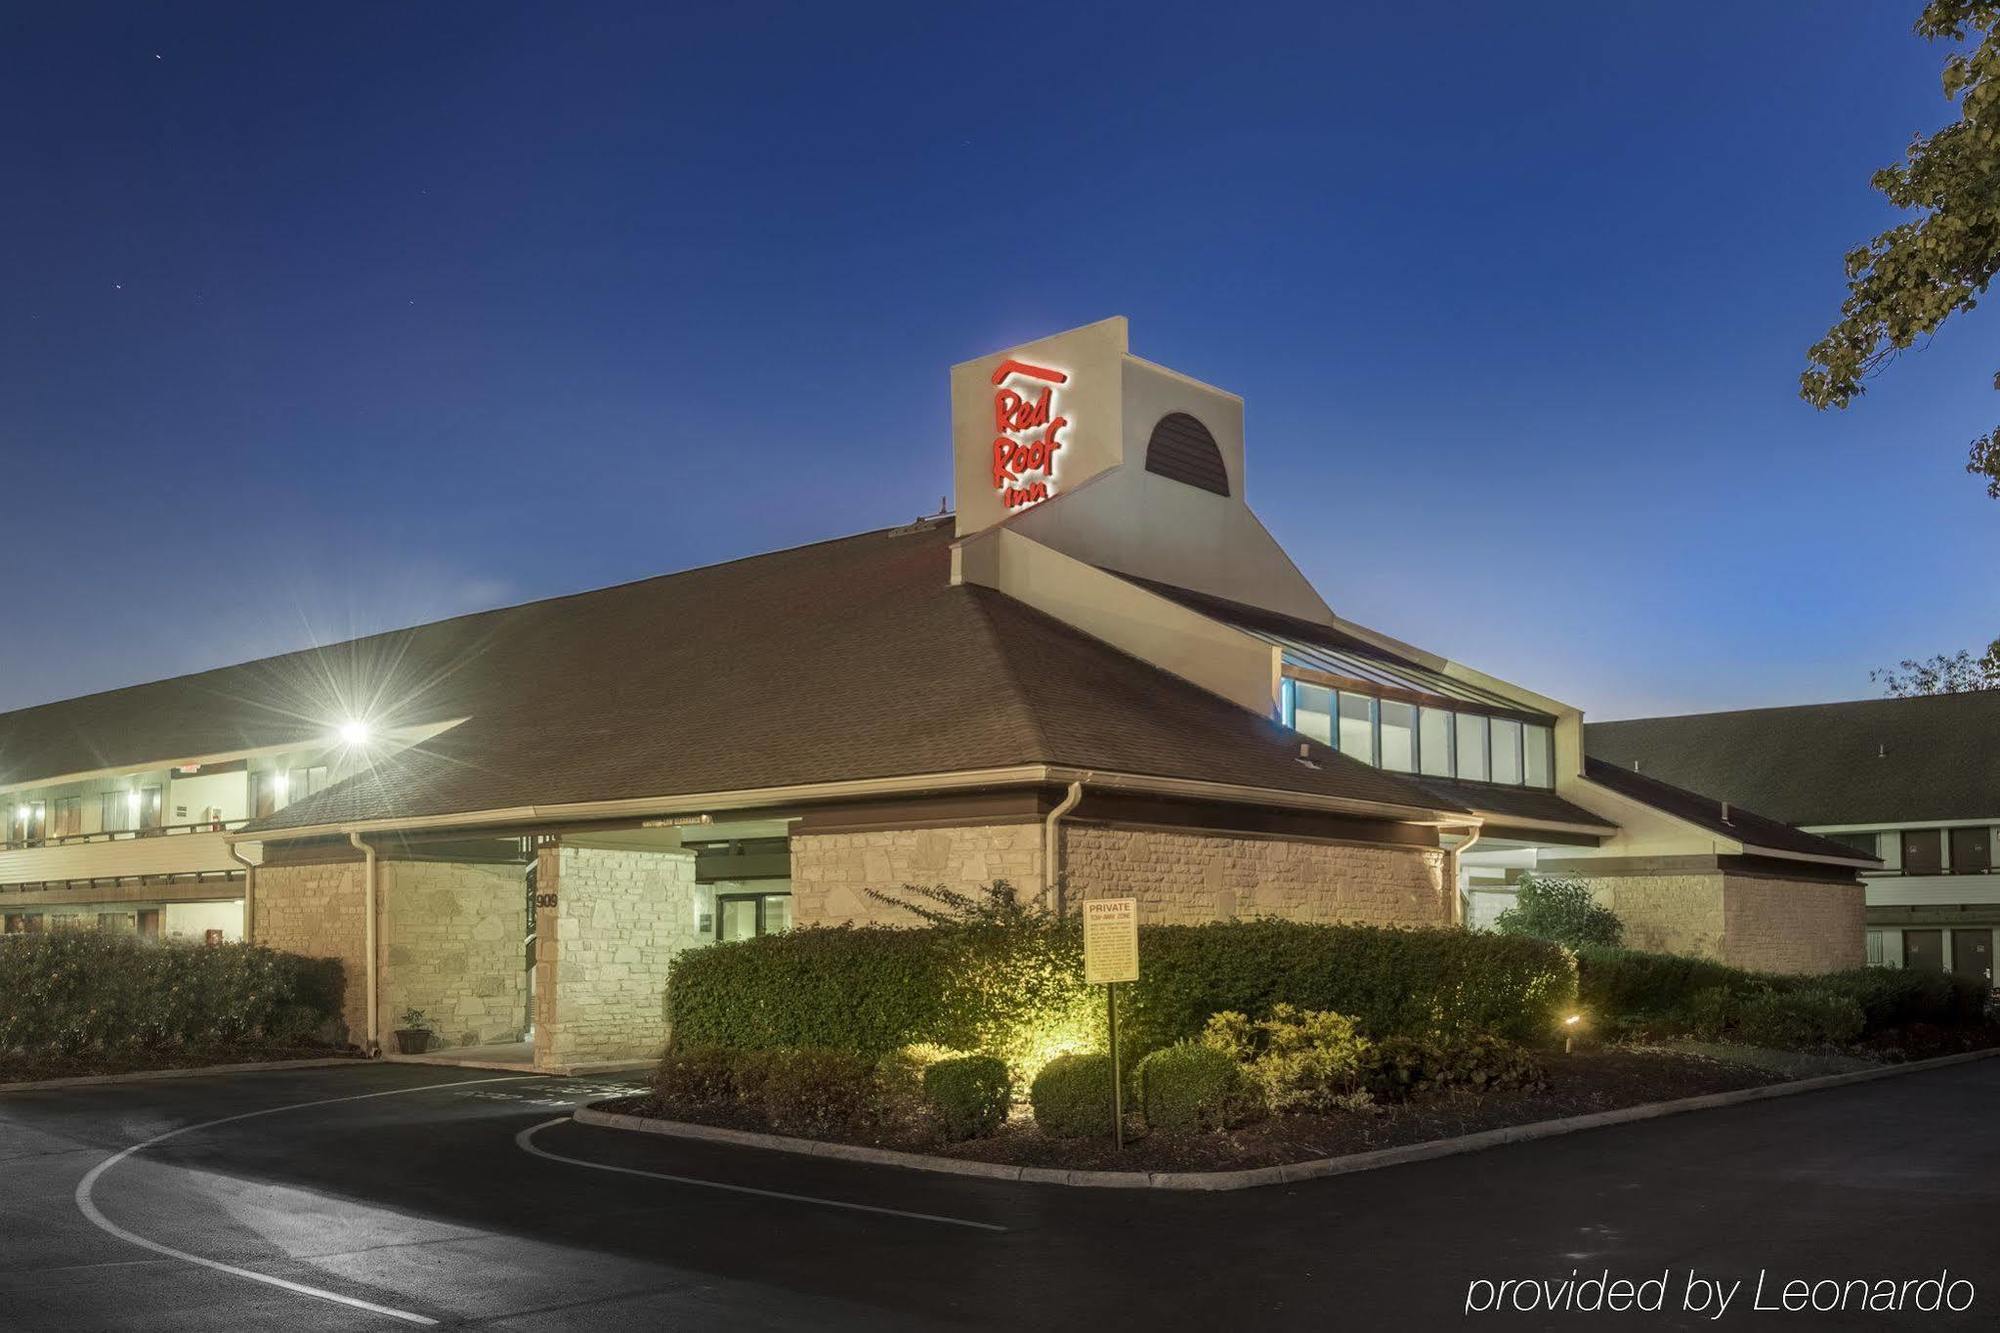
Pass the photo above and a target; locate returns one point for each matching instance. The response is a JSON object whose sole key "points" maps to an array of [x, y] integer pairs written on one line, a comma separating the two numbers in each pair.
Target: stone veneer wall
{"points": [[320, 911], [603, 950], [1185, 877], [1747, 921], [1177, 876], [451, 946], [831, 871]]}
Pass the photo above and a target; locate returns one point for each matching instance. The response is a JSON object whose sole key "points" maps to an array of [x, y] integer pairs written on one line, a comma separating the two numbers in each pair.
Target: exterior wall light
{"points": [[354, 733]]}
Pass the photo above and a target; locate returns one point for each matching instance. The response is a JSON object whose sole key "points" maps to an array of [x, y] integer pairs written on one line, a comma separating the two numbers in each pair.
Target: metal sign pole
{"points": [[1117, 1084]]}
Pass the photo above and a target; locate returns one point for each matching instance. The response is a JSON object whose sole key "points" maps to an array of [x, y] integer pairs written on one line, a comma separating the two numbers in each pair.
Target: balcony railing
{"points": [[81, 859]]}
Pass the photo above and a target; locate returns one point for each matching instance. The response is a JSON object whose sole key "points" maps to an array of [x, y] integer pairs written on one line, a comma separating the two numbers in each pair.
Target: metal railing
{"points": [[121, 835]]}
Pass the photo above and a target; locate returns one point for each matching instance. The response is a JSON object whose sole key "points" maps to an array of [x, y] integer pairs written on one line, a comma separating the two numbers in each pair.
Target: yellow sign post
{"points": [[1111, 955]]}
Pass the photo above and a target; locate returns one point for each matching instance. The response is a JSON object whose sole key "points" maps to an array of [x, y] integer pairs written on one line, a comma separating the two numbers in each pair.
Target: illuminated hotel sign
{"points": [[1026, 431]]}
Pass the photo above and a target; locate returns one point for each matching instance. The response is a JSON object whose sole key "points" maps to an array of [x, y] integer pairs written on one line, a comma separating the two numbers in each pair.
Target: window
{"points": [[1538, 757], [303, 782], [1471, 730], [742, 916], [119, 811], [31, 819], [1971, 853], [69, 817], [1313, 711], [263, 794], [1878, 949], [1923, 851], [1399, 735], [1506, 750], [1434, 743], [1357, 726], [146, 808], [1865, 843]]}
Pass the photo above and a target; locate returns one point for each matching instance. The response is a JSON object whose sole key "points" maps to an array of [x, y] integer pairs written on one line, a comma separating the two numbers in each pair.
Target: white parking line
{"points": [[88, 1207], [525, 1137]]}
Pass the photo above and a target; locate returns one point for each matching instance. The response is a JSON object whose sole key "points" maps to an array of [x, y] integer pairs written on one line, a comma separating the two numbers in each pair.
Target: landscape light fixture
{"points": [[1569, 1031]]}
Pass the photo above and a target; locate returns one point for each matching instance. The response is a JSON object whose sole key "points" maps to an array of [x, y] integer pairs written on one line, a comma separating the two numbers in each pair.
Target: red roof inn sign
{"points": [[1027, 431]]}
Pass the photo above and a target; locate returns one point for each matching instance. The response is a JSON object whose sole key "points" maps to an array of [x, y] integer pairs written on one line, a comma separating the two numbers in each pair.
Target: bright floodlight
{"points": [[354, 733]]}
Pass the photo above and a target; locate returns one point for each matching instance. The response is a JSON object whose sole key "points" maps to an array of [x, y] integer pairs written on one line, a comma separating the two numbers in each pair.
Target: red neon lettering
{"points": [[1006, 368]]}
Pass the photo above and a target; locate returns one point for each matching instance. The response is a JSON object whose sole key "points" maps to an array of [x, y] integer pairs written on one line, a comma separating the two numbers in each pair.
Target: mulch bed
{"points": [[31, 1066], [1595, 1080]]}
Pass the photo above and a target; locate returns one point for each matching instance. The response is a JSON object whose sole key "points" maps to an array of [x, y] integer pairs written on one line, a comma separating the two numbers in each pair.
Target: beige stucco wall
{"points": [[604, 948], [320, 911], [1181, 877], [1748, 921], [451, 946], [1177, 876], [831, 872]]}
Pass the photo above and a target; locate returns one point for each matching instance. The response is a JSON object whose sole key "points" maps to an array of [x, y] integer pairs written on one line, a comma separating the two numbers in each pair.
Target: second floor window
{"points": [[68, 817]]}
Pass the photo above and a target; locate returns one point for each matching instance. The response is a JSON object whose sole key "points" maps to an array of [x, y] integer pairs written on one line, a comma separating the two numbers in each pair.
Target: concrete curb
{"points": [[1264, 1175], [151, 1075]]}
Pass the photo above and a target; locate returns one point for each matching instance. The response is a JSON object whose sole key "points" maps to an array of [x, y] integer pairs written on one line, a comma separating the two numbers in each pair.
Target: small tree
{"points": [[1560, 908], [995, 904], [1956, 673]]}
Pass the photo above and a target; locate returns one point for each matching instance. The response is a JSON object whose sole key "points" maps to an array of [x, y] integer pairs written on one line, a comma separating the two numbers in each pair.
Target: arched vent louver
{"points": [[1182, 449]]}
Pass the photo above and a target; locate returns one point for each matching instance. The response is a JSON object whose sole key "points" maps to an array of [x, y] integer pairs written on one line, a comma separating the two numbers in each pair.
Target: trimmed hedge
{"points": [[1625, 987], [819, 1093], [1018, 992], [1072, 1097], [1194, 1087], [82, 990], [968, 1095]]}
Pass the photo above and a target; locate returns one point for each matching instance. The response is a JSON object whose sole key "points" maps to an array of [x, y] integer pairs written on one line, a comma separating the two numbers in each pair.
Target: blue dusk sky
{"points": [[319, 320]]}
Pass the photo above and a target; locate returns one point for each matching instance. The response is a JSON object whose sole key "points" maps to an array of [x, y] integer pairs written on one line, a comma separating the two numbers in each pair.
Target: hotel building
{"points": [[1100, 675]]}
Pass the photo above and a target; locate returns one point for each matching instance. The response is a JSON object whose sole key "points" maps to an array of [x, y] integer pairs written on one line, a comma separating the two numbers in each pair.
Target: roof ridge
{"points": [[1893, 699]]}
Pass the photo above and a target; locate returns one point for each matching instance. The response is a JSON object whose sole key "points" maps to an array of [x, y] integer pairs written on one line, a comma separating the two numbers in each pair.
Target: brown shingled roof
{"points": [[848, 659]]}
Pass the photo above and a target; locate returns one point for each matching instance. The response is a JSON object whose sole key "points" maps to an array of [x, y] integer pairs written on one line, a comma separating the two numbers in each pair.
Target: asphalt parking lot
{"points": [[379, 1196]]}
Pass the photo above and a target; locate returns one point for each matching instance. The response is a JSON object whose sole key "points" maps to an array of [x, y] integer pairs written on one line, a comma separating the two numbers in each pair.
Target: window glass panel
{"points": [[777, 913], [1288, 702], [1970, 851], [1537, 756], [1506, 750], [1357, 726], [737, 919], [1865, 843], [69, 816], [1471, 730], [149, 808], [1312, 709], [117, 814], [1923, 851], [1878, 954], [1399, 736], [1434, 741]]}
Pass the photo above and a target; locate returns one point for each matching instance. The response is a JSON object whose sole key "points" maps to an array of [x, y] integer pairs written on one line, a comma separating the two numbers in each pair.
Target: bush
{"points": [[968, 1095], [1797, 1019], [1017, 990], [1298, 1060], [1897, 997], [817, 1092], [695, 1076], [82, 990], [751, 1071], [1628, 986], [1190, 1086], [1401, 1068], [1072, 1097], [1561, 909]]}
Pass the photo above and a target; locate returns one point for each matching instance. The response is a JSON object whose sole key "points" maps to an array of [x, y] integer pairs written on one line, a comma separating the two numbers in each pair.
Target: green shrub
{"points": [[1017, 990], [1298, 1060], [83, 990], [1799, 1019], [750, 1071], [1712, 1012], [692, 1077], [1071, 1096], [1191, 1086], [1561, 909], [817, 1092], [968, 1095], [1892, 997], [1401, 1068], [1626, 984]]}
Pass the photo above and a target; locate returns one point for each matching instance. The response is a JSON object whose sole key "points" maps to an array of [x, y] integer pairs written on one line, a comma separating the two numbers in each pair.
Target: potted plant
{"points": [[414, 1037]]}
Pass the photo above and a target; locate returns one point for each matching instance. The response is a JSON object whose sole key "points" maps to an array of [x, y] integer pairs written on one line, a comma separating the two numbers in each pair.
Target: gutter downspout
{"points": [[1052, 843], [374, 1018], [249, 891], [1457, 898]]}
